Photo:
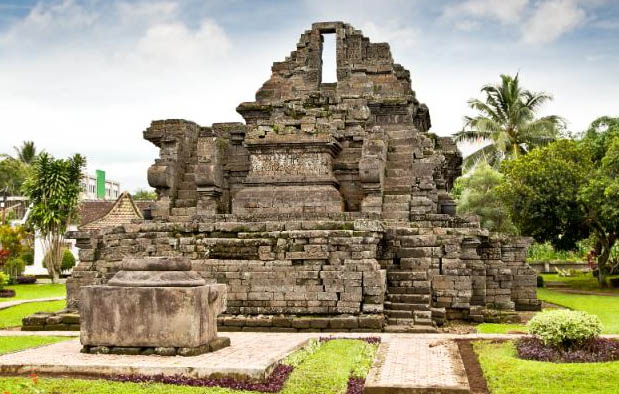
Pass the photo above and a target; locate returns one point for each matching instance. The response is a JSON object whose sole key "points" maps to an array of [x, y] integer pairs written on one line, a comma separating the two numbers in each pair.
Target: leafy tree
{"points": [[54, 189], [12, 174], [600, 194], [506, 123], [478, 196], [27, 152], [143, 194], [568, 190]]}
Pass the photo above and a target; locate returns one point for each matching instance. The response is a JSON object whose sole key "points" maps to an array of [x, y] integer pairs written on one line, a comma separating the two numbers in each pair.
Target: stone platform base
{"points": [[249, 356], [212, 346]]}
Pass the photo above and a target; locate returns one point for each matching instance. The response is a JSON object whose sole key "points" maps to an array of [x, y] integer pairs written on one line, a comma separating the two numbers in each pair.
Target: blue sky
{"points": [[89, 76]]}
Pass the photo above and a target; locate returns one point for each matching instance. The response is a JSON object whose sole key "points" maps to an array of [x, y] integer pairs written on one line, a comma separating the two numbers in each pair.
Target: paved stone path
{"points": [[417, 365], [8, 304], [249, 355], [17, 333], [406, 363]]}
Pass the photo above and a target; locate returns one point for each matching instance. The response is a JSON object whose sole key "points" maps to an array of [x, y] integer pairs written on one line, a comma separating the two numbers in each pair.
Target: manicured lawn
{"points": [[506, 374], [30, 292], [11, 344], [11, 317], [497, 328], [579, 282], [324, 370], [605, 307]]}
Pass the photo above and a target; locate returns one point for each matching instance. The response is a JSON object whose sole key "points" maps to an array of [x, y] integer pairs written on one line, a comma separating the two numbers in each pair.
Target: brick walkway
{"points": [[417, 365], [8, 304]]}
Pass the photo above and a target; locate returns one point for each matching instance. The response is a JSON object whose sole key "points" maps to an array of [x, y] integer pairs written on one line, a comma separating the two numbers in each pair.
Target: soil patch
{"points": [[474, 373]]}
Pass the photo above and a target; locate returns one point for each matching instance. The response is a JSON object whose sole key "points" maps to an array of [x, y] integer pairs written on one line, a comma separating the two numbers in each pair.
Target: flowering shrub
{"points": [[26, 279], [564, 328]]}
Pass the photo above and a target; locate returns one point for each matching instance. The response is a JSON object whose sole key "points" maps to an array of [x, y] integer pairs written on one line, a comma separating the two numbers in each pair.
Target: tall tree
{"points": [[478, 197], [506, 123], [569, 190], [54, 189], [27, 152]]}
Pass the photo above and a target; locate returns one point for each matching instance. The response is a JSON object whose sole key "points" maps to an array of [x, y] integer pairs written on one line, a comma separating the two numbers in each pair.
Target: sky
{"points": [[89, 76]]}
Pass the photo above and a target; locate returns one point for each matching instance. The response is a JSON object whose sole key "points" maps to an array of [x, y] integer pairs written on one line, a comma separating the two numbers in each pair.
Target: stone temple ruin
{"points": [[328, 209]]}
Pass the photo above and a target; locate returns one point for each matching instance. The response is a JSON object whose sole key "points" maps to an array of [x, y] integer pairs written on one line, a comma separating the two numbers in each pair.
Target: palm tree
{"points": [[506, 123], [27, 152]]}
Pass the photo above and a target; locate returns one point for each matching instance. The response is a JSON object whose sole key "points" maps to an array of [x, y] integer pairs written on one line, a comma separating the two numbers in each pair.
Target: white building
{"points": [[97, 187]]}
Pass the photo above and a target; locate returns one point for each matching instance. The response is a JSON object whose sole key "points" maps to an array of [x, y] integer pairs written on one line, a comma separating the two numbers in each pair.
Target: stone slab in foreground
{"points": [[411, 365], [248, 356]]}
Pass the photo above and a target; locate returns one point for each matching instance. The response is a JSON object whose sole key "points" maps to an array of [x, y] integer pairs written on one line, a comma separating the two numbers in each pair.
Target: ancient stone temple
{"points": [[327, 209]]}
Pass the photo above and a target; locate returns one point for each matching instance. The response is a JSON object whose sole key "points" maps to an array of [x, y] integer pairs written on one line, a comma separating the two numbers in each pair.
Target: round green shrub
{"points": [[4, 280], [68, 260], [564, 328], [28, 256]]}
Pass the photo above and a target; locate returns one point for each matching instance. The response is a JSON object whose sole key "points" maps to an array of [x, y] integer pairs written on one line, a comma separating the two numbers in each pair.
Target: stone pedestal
{"points": [[152, 306]]}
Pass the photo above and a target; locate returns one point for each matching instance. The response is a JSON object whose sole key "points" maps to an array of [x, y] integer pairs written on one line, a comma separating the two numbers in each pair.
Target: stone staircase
{"points": [[408, 298], [398, 174]]}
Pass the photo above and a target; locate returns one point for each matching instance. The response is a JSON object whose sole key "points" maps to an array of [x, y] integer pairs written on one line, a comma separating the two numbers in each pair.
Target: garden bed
{"points": [[593, 350], [7, 293], [506, 373]]}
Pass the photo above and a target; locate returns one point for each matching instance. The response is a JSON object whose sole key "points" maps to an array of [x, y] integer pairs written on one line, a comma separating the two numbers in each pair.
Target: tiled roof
{"points": [[107, 213]]}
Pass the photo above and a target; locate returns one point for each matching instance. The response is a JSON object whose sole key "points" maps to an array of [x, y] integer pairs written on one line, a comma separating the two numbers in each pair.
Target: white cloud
{"points": [[93, 77], [403, 37], [505, 11], [166, 42], [551, 19]]}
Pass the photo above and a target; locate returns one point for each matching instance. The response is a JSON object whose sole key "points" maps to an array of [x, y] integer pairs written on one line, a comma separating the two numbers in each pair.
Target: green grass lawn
{"points": [[506, 374], [31, 292], [498, 328], [11, 344], [323, 370], [11, 317], [605, 307], [586, 282]]}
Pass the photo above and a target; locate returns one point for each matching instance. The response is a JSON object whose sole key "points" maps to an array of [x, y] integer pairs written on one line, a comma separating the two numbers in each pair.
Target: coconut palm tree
{"points": [[27, 152], [506, 123]]}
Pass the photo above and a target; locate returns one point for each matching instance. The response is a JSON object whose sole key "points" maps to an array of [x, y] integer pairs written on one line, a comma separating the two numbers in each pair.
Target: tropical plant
{"points": [[54, 189], [27, 152], [506, 123], [478, 196]]}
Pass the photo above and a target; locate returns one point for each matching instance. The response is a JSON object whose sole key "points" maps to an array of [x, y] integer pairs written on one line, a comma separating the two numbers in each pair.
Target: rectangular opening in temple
{"points": [[329, 62]]}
